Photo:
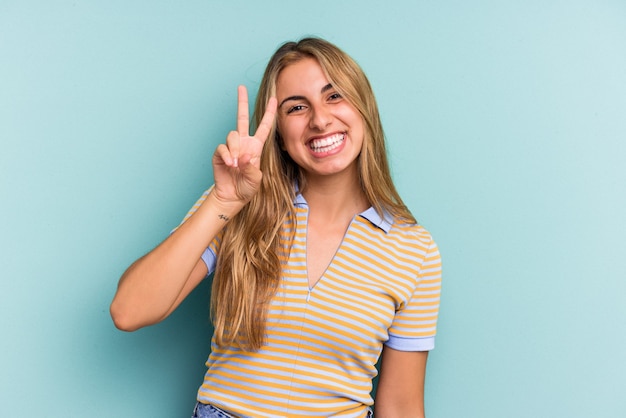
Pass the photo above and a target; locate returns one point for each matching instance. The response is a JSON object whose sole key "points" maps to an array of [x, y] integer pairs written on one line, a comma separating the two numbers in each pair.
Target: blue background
{"points": [[506, 129]]}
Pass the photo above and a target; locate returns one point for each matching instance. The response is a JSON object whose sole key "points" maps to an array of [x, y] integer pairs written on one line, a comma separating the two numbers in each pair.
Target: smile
{"points": [[327, 144]]}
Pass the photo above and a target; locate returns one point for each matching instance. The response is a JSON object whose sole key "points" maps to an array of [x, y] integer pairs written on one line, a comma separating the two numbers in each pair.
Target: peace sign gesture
{"points": [[236, 163]]}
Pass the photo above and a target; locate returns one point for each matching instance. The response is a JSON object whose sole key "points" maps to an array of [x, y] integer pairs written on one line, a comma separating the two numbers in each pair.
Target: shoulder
{"points": [[395, 234], [410, 233]]}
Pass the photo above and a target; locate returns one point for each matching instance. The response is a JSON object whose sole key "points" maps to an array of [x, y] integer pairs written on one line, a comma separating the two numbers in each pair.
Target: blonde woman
{"points": [[319, 267]]}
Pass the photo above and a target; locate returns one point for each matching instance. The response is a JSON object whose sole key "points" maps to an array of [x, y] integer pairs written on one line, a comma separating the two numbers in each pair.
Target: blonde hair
{"points": [[249, 263]]}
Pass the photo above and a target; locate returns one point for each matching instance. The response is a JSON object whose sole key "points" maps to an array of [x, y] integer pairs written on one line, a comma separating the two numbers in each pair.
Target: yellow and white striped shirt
{"points": [[322, 343]]}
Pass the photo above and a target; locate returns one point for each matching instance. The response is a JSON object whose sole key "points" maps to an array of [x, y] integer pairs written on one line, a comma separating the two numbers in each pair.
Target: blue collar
{"points": [[383, 222]]}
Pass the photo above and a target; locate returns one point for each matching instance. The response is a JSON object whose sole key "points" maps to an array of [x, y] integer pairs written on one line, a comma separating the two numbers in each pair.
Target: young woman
{"points": [[319, 266]]}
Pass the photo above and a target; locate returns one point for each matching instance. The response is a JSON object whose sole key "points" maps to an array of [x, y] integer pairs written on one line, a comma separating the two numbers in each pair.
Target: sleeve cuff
{"points": [[210, 259], [410, 344]]}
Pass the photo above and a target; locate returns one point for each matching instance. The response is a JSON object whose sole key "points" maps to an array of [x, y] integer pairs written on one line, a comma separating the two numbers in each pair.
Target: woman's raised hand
{"points": [[236, 163]]}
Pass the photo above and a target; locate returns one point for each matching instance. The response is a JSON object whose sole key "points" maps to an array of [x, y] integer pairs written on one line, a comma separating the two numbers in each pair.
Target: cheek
{"points": [[352, 117], [282, 127], [287, 132]]}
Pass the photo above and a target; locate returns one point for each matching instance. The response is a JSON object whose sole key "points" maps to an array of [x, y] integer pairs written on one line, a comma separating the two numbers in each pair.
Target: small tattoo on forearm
{"points": [[224, 217]]}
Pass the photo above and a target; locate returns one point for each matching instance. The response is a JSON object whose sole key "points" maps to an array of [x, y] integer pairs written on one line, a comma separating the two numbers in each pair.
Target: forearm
{"points": [[400, 392], [154, 285], [388, 408]]}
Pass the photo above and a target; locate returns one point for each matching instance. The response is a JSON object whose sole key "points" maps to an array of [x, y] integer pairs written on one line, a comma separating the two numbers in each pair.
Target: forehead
{"points": [[305, 75]]}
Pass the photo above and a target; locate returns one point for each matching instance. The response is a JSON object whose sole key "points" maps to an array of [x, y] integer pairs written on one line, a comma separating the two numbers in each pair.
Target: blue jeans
{"points": [[209, 411]]}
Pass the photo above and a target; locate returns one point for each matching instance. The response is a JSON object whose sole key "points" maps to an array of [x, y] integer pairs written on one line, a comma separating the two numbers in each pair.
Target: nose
{"points": [[321, 117]]}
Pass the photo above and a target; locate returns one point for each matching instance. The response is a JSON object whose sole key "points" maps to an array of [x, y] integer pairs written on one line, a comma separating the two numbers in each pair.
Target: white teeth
{"points": [[326, 144]]}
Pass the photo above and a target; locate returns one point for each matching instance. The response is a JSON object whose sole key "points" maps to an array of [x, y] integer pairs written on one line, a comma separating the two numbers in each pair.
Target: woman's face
{"points": [[322, 132]]}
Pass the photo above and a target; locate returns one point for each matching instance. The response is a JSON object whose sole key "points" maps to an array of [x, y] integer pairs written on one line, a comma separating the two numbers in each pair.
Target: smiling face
{"points": [[320, 130]]}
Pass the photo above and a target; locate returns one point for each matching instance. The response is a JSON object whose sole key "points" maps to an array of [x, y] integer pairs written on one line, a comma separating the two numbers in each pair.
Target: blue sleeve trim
{"points": [[210, 259], [410, 344]]}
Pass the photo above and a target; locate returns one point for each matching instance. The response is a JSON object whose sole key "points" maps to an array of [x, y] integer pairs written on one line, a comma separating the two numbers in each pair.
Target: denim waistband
{"points": [[203, 410]]}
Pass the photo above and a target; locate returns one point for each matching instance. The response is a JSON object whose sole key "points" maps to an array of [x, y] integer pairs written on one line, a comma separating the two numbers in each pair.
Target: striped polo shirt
{"points": [[323, 342]]}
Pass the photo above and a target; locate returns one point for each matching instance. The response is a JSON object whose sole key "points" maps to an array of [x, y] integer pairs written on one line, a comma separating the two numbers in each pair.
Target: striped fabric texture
{"points": [[322, 343]]}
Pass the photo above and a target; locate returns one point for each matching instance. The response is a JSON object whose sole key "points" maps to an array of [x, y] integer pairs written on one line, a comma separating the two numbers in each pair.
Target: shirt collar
{"points": [[383, 222]]}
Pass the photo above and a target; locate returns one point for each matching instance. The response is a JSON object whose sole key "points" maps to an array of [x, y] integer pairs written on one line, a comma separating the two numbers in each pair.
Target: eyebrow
{"points": [[327, 87]]}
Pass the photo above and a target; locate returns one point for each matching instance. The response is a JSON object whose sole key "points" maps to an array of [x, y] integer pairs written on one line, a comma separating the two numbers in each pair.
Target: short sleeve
{"points": [[415, 325], [209, 256]]}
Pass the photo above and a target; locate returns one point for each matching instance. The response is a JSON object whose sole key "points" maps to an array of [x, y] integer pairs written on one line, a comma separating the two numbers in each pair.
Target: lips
{"points": [[327, 144]]}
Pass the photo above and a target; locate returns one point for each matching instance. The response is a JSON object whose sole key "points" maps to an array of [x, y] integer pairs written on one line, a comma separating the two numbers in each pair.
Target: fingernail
{"points": [[235, 162]]}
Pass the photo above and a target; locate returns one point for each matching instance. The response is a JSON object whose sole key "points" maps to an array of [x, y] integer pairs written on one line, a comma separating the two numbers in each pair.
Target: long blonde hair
{"points": [[249, 265]]}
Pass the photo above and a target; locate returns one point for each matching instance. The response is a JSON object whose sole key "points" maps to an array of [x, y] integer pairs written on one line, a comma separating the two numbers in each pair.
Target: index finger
{"points": [[263, 131], [243, 118]]}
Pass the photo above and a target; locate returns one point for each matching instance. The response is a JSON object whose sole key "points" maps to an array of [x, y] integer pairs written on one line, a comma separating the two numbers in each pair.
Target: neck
{"points": [[335, 197]]}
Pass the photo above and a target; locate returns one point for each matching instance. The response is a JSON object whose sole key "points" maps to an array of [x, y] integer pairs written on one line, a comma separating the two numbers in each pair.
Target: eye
{"points": [[334, 97], [295, 108]]}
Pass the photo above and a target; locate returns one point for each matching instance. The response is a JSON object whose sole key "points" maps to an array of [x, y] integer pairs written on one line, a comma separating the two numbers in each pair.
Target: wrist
{"points": [[223, 210]]}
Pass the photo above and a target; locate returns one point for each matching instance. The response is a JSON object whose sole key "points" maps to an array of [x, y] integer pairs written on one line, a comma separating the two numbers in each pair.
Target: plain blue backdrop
{"points": [[506, 130]]}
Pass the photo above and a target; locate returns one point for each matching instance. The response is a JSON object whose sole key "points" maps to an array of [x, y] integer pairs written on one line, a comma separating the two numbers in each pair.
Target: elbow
{"points": [[122, 319], [131, 318]]}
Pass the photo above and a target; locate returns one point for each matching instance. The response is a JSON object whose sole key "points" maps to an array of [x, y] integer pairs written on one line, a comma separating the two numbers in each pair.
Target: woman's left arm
{"points": [[400, 392]]}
